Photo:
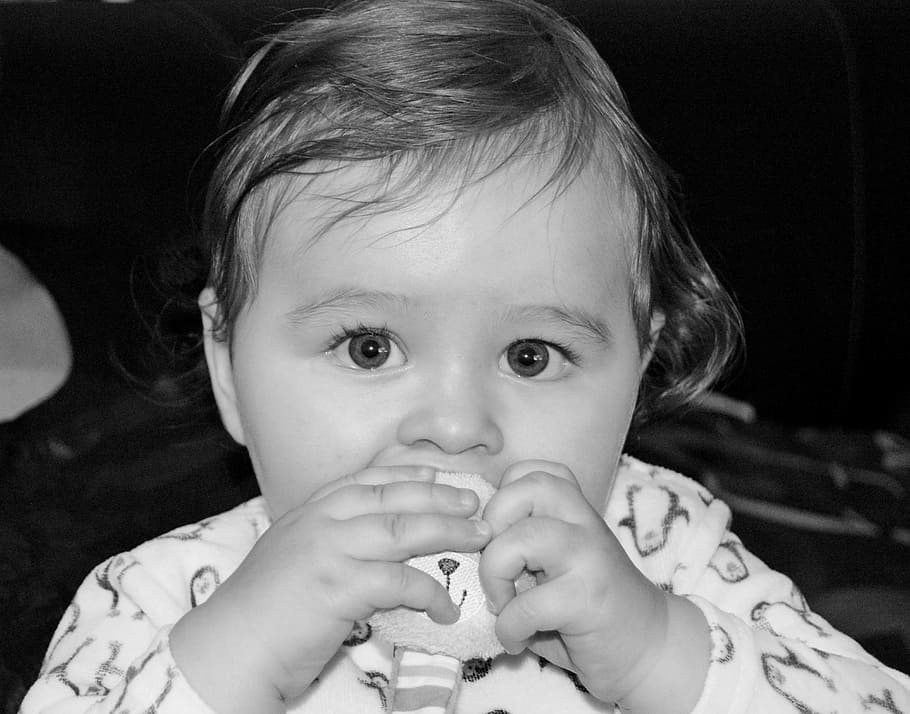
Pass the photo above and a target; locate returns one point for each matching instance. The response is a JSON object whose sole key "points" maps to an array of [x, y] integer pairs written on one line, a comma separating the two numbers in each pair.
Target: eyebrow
{"points": [[581, 321], [346, 300]]}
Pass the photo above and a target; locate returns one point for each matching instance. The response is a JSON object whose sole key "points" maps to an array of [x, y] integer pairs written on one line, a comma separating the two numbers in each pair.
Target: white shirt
{"points": [[770, 652]]}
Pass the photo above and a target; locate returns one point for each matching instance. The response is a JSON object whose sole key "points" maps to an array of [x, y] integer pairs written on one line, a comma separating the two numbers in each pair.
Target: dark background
{"points": [[786, 121]]}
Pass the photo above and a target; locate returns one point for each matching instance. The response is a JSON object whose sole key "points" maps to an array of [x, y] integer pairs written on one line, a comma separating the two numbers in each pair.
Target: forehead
{"points": [[510, 231]]}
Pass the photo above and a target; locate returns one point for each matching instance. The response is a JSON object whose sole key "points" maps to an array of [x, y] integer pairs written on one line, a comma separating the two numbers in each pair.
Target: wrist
{"points": [[219, 664], [672, 674]]}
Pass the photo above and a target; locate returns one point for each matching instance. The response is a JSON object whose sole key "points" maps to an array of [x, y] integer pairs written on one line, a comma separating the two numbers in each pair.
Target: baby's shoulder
{"points": [[657, 512], [642, 487], [202, 554], [634, 473], [233, 530]]}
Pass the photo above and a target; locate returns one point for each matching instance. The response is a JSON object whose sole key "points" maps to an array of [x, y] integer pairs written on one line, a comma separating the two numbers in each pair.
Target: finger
{"points": [[399, 536], [376, 475], [541, 609], [541, 545], [399, 497], [550, 646], [521, 468], [538, 493], [389, 585]]}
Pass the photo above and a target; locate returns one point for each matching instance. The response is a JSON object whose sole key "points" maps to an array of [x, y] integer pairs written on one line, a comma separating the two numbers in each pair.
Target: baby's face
{"points": [[464, 337]]}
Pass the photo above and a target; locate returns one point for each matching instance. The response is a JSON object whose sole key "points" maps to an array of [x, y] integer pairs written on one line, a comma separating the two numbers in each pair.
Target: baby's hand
{"points": [[271, 627], [593, 612]]}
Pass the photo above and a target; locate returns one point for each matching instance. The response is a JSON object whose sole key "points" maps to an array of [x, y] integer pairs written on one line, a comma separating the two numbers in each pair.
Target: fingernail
{"points": [[491, 607], [483, 528], [467, 498]]}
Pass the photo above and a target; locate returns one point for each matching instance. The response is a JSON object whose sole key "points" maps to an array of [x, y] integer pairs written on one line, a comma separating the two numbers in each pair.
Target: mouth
{"points": [[475, 482], [442, 465], [459, 472], [442, 468]]}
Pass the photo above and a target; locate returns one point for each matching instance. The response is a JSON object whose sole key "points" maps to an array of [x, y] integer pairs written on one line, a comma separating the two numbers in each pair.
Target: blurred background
{"points": [[786, 121]]}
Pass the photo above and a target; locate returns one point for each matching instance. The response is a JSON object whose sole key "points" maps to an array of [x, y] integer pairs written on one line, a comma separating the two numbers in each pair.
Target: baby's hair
{"points": [[435, 90]]}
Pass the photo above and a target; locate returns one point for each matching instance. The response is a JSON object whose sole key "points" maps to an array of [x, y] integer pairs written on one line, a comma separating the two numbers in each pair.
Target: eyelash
{"points": [[564, 349], [346, 333]]}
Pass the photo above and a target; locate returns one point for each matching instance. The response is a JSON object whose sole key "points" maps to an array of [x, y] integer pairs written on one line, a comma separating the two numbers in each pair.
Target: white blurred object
{"points": [[35, 354]]}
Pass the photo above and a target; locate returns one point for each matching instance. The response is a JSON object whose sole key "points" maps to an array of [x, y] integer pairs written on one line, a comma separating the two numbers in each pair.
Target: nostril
{"points": [[448, 566]]}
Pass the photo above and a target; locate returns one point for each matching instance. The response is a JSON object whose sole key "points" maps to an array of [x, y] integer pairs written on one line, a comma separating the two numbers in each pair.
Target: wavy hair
{"points": [[431, 89]]}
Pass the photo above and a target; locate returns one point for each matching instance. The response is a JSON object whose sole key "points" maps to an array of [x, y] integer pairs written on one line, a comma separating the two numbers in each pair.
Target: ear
{"points": [[221, 371], [657, 324]]}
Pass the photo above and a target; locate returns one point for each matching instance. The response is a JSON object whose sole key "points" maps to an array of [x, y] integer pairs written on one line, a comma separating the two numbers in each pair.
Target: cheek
{"points": [[287, 452], [587, 437], [300, 436], [596, 449], [304, 431], [584, 430]]}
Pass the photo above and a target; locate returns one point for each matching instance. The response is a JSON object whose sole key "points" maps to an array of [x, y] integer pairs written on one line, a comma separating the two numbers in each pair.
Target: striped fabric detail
{"points": [[423, 683]]}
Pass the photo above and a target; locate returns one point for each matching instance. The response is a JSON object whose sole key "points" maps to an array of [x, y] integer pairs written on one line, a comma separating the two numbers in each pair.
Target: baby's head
{"points": [[434, 228]]}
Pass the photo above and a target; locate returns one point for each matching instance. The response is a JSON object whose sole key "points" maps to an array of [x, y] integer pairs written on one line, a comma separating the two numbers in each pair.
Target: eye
{"points": [[535, 358], [367, 349]]}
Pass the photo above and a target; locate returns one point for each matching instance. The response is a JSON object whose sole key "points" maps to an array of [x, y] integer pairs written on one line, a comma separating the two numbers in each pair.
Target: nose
{"points": [[453, 412]]}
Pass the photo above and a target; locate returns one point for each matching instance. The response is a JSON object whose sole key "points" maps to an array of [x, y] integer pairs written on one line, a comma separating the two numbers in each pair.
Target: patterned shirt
{"points": [[770, 652]]}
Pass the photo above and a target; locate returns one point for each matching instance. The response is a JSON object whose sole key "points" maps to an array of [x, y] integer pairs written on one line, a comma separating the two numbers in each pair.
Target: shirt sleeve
{"points": [[770, 652], [110, 652]]}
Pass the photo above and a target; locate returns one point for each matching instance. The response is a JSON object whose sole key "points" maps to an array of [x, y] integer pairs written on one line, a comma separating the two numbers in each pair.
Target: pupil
{"points": [[369, 351], [528, 359]]}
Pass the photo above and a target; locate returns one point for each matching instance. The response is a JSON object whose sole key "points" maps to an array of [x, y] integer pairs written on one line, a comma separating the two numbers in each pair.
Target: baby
{"points": [[439, 243]]}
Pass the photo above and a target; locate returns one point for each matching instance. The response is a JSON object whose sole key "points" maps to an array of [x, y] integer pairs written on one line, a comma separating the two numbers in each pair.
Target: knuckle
{"points": [[396, 526], [512, 473], [546, 477], [401, 577], [561, 470], [332, 576], [537, 477], [327, 581], [540, 471], [381, 493]]}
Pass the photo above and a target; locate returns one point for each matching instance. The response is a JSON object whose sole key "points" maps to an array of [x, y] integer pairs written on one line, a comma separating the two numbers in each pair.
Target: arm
{"points": [[111, 650], [769, 651], [109, 653], [244, 618], [593, 611], [672, 679]]}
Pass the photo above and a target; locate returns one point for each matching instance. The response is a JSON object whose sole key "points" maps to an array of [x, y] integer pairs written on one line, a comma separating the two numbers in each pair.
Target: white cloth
{"points": [[770, 652]]}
